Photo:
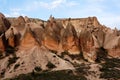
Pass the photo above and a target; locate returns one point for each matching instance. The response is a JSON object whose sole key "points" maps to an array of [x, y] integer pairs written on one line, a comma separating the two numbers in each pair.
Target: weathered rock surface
{"points": [[88, 45], [2, 46], [26, 43], [80, 23], [52, 34], [31, 55], [70, 40], [4, 23], [112, 44]]}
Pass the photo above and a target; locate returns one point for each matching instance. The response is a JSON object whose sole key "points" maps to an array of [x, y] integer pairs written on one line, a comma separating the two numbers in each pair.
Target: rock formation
{"points": [[2, 46], [4, 23], [31, 55], [52, 34], [112, 44], [27, 43], [70, 40], [19, 24], [87, 45]]}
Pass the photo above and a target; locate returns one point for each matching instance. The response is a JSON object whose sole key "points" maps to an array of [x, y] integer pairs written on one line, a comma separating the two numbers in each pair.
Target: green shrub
{"points": [[110, 69], [16, 66], [1, 54], [53, 75], [110, 73], [50, 65], [23, 77], [63, 54], [37, 68], [101, 54], [12, 60], [2, 73], [53, 51], [78, 57], [10, 49]]}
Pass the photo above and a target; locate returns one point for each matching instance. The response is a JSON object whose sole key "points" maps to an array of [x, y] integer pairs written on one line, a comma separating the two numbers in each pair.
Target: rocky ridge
{"points": [[55, 44]]}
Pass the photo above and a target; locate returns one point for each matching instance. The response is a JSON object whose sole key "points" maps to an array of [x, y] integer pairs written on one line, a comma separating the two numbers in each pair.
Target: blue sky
{"points": [[107, 11]]}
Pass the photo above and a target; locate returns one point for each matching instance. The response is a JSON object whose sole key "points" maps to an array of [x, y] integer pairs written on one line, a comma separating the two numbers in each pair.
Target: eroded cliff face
{"points": [[2, 46], [4, 23], [80, 23], [31, 54], [52, 34], [82, 35], [112, 44], [33, 42], [70, 40]]}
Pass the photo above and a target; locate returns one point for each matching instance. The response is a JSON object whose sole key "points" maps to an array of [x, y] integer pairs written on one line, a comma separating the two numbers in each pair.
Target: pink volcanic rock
{"points": [[4, 23], [2, 46], [19, 23], [112, 44], [70, 40], [88, 46], [52, 34]]}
